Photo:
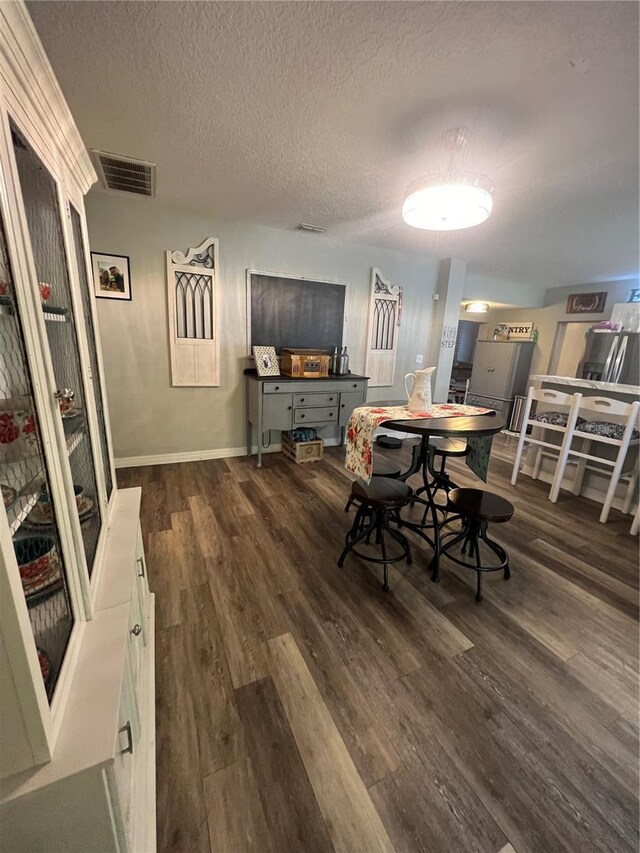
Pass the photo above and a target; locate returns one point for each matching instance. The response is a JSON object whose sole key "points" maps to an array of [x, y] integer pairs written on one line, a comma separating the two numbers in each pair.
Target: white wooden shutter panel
{"points": [[193, 301], [385, 309]]}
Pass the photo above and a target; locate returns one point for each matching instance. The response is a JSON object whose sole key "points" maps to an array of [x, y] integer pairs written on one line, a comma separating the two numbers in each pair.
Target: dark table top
{"points": [[488, 424]]}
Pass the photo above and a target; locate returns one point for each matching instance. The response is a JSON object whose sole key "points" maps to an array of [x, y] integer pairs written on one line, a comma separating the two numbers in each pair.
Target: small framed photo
{"points": [[266, 361], [111, 276]]}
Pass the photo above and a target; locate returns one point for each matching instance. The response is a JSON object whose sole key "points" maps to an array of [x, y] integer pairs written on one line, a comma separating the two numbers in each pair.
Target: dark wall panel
{"points": [[289, 312]]}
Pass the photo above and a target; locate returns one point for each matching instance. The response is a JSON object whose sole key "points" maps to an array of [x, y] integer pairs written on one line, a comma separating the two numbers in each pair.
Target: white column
{"points": [[450, 289]]}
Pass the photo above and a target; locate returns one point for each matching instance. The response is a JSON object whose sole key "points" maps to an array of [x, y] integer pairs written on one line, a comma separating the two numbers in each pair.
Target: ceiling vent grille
{"points": [[125, 174], [314, 229]]}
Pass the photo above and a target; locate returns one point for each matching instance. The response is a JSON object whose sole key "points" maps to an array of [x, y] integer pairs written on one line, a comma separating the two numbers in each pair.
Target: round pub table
{"points": [[423, 459]]}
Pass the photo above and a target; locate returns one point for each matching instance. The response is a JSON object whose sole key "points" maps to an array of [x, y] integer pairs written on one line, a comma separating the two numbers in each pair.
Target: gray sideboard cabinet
{"points": [[284, 403]]}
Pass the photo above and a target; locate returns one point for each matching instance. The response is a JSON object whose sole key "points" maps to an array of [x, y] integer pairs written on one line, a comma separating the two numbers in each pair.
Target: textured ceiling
{"points": [[282, 113]]}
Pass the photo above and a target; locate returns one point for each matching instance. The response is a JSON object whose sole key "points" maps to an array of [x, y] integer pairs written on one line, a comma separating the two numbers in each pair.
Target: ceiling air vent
{"points": [[125, 174], [314, 229]]}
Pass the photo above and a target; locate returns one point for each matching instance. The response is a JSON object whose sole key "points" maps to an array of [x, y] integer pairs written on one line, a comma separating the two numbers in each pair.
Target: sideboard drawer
{"points": [[313, 386], [500, 406], [319, 415], [316, 399], [276, 387]]}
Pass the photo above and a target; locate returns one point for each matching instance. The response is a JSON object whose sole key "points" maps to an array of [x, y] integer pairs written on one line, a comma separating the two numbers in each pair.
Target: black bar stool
{"points": [[376, 503], [476, 508], [381, 468], [443, 448]]}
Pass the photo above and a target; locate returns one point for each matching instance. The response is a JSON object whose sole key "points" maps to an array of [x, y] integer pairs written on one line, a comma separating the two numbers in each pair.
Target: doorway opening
{"points": [[568, 348], [463, 354]]}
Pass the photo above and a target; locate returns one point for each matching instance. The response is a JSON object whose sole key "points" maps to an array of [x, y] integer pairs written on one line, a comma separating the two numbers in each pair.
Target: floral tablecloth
{"points": [[366, 419]]}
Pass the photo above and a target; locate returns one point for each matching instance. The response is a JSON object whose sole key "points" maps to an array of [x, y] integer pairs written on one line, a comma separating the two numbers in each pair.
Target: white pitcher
{"points": [[419, 400]]}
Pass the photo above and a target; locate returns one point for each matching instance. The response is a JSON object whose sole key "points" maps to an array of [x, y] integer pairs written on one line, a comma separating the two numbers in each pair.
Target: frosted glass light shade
{"points": [[448, 204], [476, 307]]}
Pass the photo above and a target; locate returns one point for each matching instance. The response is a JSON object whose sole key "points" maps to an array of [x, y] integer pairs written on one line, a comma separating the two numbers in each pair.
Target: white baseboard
{"points": [[199, 455]]}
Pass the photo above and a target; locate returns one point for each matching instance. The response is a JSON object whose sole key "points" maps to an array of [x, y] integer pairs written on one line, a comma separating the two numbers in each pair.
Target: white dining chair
{"points": [[635, 524], [620, 433], [554, 419]]}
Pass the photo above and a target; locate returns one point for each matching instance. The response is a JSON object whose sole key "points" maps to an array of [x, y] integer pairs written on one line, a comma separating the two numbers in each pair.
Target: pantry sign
{"points": [[521, 331]]}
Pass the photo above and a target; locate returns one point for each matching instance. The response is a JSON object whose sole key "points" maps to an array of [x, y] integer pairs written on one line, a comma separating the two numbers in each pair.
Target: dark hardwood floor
{"points": [[301, 708]]}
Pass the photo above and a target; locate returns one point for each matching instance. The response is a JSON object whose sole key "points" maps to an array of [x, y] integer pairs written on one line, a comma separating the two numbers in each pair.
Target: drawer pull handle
{"points": [[302, 416], [140, 562], [331, 399], [355, 385], [343, 405], [277, 387], [129, 747], [289, 407], [302, 399], [330, 414], [136, 630]]}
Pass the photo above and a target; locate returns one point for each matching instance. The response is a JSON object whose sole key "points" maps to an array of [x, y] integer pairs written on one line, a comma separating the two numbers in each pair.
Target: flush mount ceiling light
{"points": [[452, 199], [476, 307]]}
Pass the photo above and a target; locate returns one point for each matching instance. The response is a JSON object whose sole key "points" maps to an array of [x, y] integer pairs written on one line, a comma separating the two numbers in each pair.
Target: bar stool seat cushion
{"points": [[553, 418], [382, 491], [606, 430], [481, 505], [384, 468]]}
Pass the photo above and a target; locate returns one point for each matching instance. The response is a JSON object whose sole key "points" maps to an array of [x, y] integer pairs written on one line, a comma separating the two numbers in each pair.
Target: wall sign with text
{"points": [[520, 331], [449, 334], [586, 303], [634, 295]]}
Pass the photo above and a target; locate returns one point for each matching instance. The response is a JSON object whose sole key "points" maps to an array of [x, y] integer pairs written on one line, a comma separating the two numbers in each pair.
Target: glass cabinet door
{"points": [[26, 495], [41, 202], [79, 247]]}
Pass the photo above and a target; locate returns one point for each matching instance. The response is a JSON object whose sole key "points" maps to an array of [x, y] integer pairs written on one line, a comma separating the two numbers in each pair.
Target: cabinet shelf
{"points": [[31, 489], [55, 314], [52, 313]]}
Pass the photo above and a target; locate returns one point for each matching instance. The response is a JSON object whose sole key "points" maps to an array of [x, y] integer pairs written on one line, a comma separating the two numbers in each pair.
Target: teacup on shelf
{"points": [[45, 290], [38, 563], [45, 507]]}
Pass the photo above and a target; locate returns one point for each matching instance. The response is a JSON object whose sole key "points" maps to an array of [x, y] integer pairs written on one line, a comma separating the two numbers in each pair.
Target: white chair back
{"points": [[605, 407], [554, 398]]}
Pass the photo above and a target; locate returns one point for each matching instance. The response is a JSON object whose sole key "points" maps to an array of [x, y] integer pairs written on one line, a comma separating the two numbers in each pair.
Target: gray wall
{"points": [[617, 291], [148, 416], [555, 306], [481, 288]]}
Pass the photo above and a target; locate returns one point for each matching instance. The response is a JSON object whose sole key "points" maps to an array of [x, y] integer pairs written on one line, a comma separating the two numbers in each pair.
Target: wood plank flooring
{"points": [[301, 708]]}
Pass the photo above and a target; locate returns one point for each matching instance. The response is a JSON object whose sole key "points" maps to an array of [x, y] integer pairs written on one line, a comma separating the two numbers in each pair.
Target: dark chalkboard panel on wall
{"points": [[294, 312]]}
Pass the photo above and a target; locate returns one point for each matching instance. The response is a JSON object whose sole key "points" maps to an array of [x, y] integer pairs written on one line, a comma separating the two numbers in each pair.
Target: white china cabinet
{"points": [[77, 748]]}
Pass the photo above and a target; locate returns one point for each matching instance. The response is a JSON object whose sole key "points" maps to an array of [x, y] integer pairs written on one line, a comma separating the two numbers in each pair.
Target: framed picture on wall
{"points": [[111, 276], [586, 303]]}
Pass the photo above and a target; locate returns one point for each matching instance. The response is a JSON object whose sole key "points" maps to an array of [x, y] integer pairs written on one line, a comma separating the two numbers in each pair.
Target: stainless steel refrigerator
{"points": [[611, 357]]}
